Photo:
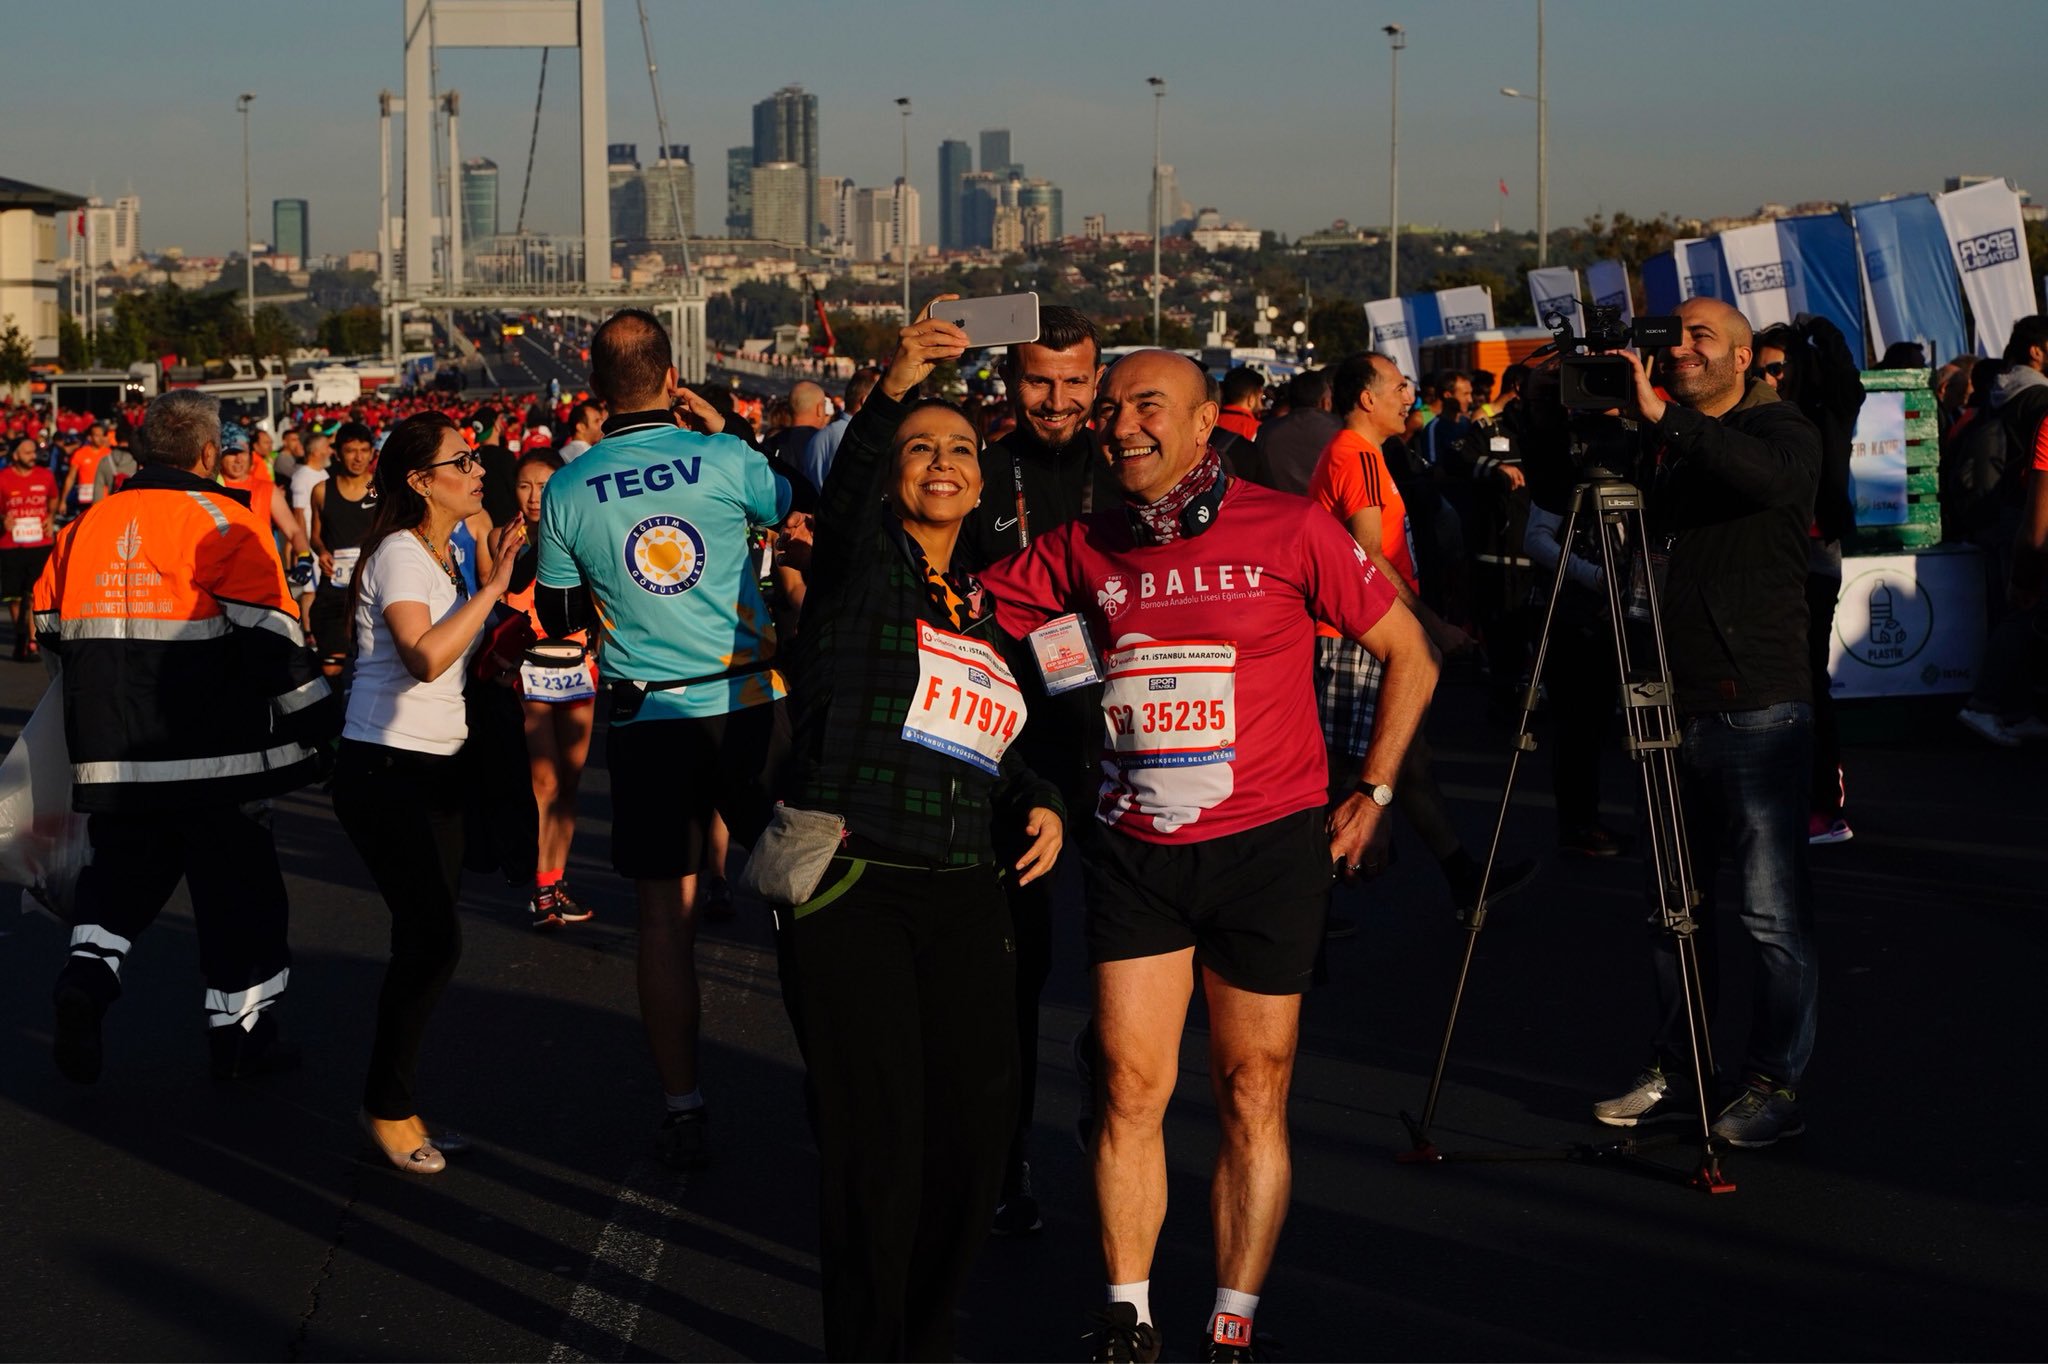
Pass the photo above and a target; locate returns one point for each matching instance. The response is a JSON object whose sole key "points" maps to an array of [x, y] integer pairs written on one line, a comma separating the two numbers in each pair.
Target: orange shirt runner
{"points": [[1351, 476]]}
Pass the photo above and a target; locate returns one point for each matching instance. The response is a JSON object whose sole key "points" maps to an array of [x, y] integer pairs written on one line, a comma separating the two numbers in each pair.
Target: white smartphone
{"points": [[1005, 320]]}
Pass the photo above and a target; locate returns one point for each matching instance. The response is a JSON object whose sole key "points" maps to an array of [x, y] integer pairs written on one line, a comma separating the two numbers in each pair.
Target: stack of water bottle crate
{"points": [[1922, 526]]}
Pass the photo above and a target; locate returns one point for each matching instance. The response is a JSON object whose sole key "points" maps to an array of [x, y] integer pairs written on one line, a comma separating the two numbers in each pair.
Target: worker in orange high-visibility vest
{"points": [[190, 696]]}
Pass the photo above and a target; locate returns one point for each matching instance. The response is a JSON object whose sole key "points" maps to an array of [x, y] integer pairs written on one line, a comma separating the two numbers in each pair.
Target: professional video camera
{"points": [[1591, 378]]}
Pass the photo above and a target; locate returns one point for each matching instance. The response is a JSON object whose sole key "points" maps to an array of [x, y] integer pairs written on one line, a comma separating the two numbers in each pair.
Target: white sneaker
{"points": [[1988, 726], [1646, 1094], [2032, 729]]}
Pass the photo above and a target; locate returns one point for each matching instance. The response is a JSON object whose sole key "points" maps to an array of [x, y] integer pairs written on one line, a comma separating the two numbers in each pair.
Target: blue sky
{"points": [[1276, 111]]}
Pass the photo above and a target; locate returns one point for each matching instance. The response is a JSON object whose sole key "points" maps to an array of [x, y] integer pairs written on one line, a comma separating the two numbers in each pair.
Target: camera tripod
{"points": [[1611, 510]]}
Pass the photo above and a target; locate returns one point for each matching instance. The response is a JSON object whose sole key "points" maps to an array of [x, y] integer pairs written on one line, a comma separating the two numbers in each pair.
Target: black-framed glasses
{"points": [[468, 462]]}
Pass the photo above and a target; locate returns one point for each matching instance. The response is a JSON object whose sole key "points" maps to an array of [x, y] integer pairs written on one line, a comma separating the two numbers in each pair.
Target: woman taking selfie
{"points": [[397, 785], [899, 972]]}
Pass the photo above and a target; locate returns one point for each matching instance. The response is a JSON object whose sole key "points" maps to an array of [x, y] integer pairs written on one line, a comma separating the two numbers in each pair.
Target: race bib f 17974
{"points": [[967, 704]]}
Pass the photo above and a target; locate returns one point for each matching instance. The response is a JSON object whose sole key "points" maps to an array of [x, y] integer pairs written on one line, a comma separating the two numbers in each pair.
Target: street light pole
{"points": [[1158, 85], [1542, 101], [1397, 38], [903, 209], [242, 103]]}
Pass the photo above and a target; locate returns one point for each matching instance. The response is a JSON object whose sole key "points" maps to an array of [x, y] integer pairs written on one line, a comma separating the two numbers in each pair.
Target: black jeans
{"points": [[1580, 678], [403, 812], [226, 856], [901, 992]]}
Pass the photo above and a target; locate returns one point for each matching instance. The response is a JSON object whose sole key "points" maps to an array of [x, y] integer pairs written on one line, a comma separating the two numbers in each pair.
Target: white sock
{"points": [[1233, 1303], [684, 1103], [1138, 1295]]}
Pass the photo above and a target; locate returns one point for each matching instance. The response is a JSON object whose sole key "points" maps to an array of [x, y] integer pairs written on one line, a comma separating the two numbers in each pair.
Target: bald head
{"points": [[1708, 369], [1155, 415], [631, 362], [807, 404]]}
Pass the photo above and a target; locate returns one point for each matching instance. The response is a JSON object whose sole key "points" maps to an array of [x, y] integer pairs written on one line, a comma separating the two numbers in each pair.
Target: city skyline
{"points": [[1288, 138]]}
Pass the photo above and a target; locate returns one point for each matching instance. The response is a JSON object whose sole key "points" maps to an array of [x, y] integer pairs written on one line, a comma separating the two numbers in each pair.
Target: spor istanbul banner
{"points": [[1692, 268], [1989, 243], [1461, 311], [1796, 265], [1608, 280], [1909, 277], [1391, 334], [1556, 290]]}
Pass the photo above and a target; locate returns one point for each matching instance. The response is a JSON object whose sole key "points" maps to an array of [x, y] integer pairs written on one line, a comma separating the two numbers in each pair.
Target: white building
{"points": [[28, 260], [885, 223], [782, 202]]}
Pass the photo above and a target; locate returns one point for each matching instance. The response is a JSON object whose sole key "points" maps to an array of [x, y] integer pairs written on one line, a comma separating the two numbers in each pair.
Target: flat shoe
{"points": [[425, 1159]]}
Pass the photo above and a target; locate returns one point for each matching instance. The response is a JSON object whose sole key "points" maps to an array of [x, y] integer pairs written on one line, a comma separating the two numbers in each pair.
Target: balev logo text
{"points": [[1993, 248], [1754, 278]]}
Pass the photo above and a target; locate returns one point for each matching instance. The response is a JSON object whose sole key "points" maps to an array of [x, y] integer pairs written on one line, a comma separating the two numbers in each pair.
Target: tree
{"points": [[352, 331], [274, 332], [1338, 329], [17, 355], [72, 352]]}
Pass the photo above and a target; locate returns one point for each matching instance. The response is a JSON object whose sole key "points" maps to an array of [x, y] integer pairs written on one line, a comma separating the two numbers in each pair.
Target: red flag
{"points": [[829, 343], [1503, 188]]}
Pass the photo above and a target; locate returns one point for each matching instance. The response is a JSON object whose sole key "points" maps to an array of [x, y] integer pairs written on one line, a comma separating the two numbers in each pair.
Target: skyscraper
{"points": [[628, 191], [995, 150], [288, 228], [479, 199], [1045, 198], [665, 200], [782, 202], [956, 160], [739, 191], [786, 129], [1172, 209], [128, 229], [831, 229], [981, 194]]}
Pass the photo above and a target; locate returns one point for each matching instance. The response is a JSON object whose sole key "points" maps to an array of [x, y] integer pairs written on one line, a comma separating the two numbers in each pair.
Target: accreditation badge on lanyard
{"points": [[967, 704], [1171, 703]]}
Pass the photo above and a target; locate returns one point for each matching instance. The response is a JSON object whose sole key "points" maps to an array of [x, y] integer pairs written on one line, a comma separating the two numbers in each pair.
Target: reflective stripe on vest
{"points": [[190, 769], [152, 628]]}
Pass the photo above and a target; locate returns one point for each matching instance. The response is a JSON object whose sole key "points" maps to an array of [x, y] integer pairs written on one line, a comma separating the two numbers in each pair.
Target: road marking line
{"points": [[605, 1310]]}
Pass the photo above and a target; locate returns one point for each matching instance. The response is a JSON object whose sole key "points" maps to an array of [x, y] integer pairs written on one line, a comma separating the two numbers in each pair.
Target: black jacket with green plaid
{"points": [[857, 669]]}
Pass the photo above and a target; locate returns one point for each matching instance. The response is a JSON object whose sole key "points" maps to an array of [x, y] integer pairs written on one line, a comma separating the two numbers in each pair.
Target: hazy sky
{"points": [[1276, 112]]}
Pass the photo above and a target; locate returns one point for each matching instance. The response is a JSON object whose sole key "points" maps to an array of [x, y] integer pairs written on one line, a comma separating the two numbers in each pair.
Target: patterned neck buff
{"points": [[957, 595], [1159, 523]]}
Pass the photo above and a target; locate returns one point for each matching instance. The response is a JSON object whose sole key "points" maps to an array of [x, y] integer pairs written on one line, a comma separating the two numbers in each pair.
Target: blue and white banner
{"points": [[1660, 284], [1989, 243], [1462, 311], [1608, 279], [1783, 269], [1555, 290], [1909, 277], [1391, 336], [1701, 271]]}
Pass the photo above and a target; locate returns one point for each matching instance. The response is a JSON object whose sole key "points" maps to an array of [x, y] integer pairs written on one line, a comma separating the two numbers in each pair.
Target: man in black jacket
{"points": [[1043, 474], [1731, 503]]}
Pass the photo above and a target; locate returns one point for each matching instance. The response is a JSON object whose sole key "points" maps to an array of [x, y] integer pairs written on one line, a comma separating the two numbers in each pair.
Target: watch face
{"points": [[1382, 795]]}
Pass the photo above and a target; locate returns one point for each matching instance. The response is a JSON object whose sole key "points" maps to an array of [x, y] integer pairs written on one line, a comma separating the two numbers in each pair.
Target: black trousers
{"points": [[1822, 592], [901, 993], [225, 854], [403, 811]]}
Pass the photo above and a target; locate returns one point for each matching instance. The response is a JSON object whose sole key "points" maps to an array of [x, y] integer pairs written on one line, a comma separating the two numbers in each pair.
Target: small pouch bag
{"points": [[791, 856]]}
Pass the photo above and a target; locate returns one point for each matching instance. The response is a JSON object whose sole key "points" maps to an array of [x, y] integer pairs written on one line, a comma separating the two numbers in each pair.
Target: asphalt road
{"points": [[160, 1215]]}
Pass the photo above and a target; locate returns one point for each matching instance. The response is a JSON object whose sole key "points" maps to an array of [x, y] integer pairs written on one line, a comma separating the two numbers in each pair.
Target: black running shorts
{"points": [[19, 569], [669, 777], [1251, 904]]}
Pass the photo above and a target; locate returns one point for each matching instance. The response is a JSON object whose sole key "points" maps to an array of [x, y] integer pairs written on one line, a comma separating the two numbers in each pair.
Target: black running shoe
{"points": [[683, 1142], [1120, 1338], [544, 910], [1017, 1214], [567, 909], [77, 1044]]}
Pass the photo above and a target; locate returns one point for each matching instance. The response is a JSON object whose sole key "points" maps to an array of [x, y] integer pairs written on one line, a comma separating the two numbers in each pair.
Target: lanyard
{"points": [[1023, 511]]}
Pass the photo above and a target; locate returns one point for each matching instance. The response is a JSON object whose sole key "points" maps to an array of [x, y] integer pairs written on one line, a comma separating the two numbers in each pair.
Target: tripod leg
{"points": [[1418, 1132]]}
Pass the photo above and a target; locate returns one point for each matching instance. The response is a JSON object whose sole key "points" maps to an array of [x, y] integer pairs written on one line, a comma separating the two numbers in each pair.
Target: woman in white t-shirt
{"points": [[397, 787]]}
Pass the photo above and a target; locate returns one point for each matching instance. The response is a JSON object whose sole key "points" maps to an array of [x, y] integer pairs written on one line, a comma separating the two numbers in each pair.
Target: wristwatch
{"points": [[1382, 795]]}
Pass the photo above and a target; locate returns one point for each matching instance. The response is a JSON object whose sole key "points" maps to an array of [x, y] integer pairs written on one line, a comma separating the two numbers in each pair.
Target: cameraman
{"points": [[1732, 497]]}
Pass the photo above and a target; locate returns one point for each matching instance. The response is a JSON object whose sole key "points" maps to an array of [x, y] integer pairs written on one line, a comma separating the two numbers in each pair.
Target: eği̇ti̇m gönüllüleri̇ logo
{"points": [[1885, 619], [665, 555]]}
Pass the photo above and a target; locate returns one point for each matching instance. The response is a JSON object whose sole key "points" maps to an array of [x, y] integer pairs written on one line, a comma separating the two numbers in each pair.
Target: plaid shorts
{"points": [[1347, 694]]}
